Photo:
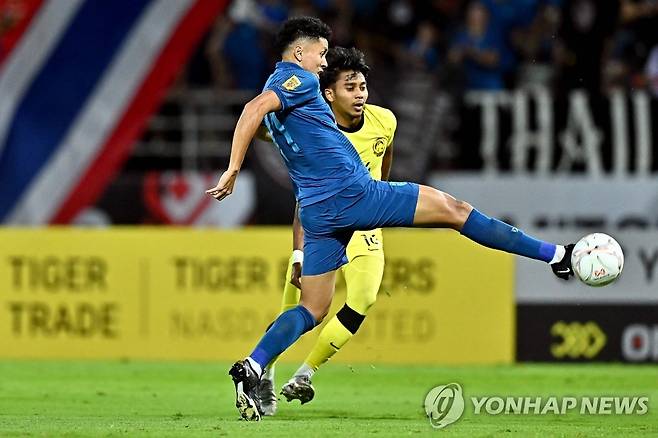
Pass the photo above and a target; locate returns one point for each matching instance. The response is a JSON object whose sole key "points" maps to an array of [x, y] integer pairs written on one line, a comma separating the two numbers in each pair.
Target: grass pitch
{"points": [[43, 398]]}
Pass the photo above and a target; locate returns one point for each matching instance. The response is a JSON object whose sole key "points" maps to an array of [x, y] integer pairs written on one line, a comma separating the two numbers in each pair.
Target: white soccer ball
{"points": [[597, 259]]}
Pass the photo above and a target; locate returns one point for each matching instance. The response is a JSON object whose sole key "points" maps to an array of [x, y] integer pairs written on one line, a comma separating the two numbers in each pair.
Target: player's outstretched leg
{"points": [[363, 276], [436, 208], [268, 398]]}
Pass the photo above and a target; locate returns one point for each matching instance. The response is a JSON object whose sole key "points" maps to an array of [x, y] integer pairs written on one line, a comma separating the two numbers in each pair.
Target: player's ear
{"points": [[297, 53], [329, 94]]}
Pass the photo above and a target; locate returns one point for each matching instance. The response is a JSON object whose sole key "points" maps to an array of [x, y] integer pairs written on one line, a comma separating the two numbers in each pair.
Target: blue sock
{"points": [[495, 234], [285, 330]]}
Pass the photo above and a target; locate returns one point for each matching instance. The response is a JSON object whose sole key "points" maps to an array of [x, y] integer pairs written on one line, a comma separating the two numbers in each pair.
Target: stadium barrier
{"points": [[570, 322], [575, 323], [190, 294]]}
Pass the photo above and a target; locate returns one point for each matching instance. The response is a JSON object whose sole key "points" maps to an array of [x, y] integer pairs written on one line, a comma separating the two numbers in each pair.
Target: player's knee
{"points": [[442, 209], [350, 318], [461, 211], [453, 212], [370, 301], [363, 304], [319, 317], [318, 310]]}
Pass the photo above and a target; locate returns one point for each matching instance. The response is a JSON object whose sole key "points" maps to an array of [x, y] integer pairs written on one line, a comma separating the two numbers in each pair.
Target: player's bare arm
{"points": [[248, 124]]}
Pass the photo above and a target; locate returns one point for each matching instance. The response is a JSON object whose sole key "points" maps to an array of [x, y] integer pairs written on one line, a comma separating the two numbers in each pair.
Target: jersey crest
{"points": [[292, 83], [379, 147]]}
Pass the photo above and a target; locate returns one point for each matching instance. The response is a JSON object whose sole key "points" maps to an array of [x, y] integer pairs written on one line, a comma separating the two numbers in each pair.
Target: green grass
{"points": [[41, 398]]}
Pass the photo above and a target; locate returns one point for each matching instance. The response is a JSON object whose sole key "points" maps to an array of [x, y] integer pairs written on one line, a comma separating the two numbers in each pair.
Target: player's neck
{"points": [[349, 124], [290, 58]]}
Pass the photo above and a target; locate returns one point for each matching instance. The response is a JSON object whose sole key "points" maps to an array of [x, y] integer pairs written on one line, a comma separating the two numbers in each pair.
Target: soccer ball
{"points": [[597, 259]]}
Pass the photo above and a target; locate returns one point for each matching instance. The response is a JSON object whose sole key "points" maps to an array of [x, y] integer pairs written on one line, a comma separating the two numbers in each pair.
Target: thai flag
{"points": [[78, 81]]}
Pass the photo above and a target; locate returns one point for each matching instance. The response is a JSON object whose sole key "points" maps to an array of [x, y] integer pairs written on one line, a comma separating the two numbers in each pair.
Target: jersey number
{"points": [[274, 125], [370, 239]]}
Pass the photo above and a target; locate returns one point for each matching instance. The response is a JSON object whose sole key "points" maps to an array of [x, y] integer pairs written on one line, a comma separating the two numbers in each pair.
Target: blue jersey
{"points": [[320, 159]]}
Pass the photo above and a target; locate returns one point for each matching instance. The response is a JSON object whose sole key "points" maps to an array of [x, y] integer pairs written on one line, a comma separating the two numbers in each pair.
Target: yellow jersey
{"points": [[371, 140]]}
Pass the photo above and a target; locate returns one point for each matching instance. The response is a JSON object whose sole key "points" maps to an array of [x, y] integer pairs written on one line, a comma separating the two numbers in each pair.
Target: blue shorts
{"points": [[329, 224]]}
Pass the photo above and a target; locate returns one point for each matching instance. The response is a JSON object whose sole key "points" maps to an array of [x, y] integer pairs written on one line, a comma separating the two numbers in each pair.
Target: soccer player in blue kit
{"points": [[336, 196]]}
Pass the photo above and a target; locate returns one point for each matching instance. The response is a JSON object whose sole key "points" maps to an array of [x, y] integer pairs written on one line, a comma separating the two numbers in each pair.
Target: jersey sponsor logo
{"points": [[292, 83], [379, 147]]}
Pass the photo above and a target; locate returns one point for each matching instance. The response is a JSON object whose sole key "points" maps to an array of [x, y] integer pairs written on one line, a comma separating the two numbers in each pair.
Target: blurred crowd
{"points": [[477, 44], [464, 44]]}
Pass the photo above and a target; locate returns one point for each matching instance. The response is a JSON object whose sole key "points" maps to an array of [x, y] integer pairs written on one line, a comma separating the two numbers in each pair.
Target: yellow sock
{"points": [[363, 276], [290, 293], [332, 338]]}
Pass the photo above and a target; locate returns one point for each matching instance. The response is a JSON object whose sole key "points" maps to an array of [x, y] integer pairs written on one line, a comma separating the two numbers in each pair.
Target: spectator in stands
{"points": [[633, 42], [640, 17], [477, 48], [421, 52], [236, 45], [340, 17], [535, 45], [651, 71], [510, 18], [585, 42]]}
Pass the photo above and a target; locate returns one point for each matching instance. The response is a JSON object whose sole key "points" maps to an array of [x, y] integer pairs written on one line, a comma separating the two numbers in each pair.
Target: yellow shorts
{"points": [[366, 243]]}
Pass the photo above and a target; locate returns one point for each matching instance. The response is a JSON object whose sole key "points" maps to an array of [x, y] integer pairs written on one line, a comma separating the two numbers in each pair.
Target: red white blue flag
{"points": [[78, 81]]}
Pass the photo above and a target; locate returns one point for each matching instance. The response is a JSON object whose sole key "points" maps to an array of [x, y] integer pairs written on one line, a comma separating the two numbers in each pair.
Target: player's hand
{"points": [[224, 186], [296, 276]]}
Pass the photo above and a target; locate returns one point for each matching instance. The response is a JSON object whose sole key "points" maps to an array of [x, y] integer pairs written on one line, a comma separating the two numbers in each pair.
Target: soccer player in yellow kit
{"points": [[370, 129]]}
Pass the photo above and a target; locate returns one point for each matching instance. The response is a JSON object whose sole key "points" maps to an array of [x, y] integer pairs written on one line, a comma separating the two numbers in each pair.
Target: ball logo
{"points": [[444, 405], [599, 273]]}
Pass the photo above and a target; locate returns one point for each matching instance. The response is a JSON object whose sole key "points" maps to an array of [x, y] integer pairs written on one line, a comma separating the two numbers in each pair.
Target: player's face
{"points": [[313, 55], [350, 94]]}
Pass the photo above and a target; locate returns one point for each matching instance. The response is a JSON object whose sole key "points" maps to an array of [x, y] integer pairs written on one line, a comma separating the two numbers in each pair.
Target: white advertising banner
{"points": [[638, 283], [562, 209], [559, 201]]}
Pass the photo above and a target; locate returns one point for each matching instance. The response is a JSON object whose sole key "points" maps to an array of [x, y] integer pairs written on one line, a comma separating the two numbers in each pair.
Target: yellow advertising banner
{"points": [[199, 294]]}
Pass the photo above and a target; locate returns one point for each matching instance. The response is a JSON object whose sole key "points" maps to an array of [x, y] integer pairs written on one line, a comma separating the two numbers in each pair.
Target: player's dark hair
{"points": [[300, 27], [340, 59]]}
